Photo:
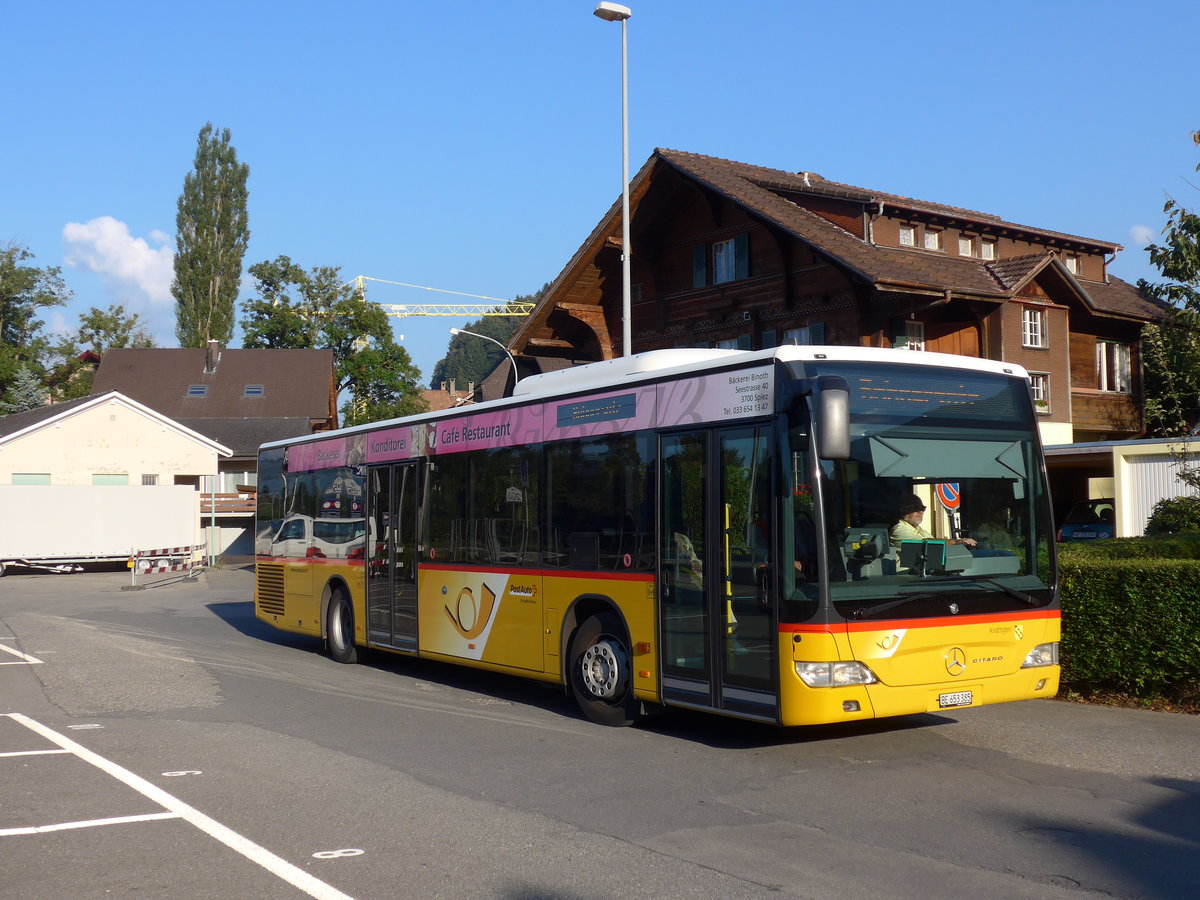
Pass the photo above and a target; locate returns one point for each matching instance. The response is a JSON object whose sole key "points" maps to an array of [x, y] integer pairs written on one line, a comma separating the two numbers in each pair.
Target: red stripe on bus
{"points": [[544, 573], [937, 622]]}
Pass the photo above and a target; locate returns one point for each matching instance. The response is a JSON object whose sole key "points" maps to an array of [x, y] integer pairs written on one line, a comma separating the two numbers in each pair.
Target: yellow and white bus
{"points": [[707, 529]]}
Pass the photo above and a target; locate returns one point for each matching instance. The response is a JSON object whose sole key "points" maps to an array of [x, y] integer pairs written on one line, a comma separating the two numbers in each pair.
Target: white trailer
{"points": [[62, 527]]}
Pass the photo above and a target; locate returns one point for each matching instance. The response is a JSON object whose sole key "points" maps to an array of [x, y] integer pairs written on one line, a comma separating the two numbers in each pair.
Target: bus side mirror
{"points": [[831, 412]]}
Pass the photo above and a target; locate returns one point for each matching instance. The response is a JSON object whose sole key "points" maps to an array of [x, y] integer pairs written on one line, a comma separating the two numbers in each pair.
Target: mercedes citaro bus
{"points": [[709, 529]]}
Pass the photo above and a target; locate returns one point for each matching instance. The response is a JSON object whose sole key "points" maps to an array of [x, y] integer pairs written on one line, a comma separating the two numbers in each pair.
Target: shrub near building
{"points": [[1131, 620]]}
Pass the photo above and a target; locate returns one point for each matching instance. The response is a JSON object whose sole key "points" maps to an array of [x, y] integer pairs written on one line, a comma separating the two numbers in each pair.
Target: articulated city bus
{"points": [[709, 529]]}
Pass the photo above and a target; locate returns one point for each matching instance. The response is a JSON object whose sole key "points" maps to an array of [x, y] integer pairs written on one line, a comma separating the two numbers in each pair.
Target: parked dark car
{"points": [[1089, 520]]}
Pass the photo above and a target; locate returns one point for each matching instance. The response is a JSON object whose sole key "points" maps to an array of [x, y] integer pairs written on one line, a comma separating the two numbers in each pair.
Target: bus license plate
{"points": [[958, 698]]}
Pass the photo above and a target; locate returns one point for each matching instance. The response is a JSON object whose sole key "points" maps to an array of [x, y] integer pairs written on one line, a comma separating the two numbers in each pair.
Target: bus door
{"points": [[392, 556], [716, 552]]}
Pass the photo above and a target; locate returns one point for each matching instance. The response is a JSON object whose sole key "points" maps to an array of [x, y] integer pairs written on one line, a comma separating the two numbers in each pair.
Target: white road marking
{"points": [[90, 823], [25, 660], [276, 865], [32, 752]]}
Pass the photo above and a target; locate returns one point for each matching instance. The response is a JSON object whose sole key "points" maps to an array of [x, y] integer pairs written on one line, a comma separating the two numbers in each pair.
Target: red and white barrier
{"points": [[167, 559]]}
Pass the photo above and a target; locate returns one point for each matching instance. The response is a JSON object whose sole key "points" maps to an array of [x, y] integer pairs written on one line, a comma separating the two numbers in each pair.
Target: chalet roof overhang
{"points": [[762, 194]]}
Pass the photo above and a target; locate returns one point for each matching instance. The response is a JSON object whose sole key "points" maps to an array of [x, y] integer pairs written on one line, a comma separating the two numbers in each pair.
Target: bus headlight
{"points": [[1042, 655], [834, 674]]}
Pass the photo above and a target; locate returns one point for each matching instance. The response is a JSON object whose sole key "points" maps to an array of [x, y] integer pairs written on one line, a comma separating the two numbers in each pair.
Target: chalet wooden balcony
{"points": [[228, 504], [1119, 415]]}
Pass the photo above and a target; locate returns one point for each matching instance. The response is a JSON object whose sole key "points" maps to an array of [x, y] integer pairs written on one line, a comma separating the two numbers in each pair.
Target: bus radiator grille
{"points": [[270, 589]]}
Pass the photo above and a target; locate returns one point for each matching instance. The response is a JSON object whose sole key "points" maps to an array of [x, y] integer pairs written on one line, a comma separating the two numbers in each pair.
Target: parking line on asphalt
{"points": [[176, 808], [89, 823], [25, 660], [31, 752]]}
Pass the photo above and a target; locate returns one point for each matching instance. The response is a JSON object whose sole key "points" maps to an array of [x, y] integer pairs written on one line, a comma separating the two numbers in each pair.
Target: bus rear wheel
{"points": [[601, 669], [339, 628]]}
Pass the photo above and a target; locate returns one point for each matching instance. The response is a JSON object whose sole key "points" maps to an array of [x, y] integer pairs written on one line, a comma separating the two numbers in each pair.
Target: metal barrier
{"points": [[168, 559]]}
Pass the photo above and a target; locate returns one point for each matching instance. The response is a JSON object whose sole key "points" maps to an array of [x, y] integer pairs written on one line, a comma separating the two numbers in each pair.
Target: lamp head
{"points": [[612, 12]]}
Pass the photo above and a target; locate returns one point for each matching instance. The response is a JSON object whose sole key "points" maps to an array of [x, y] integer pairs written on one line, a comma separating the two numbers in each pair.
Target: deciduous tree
{"points": [[314, 309], [212, 231], [24, 290], [1172, 351], [99, 331]]}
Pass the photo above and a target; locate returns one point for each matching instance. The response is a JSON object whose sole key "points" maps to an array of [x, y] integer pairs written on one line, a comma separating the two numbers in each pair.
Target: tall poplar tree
{"points": [[211, 233]]}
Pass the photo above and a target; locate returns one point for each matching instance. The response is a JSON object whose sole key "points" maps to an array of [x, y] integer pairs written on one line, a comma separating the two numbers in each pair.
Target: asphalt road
{"points": [[164, 743]]}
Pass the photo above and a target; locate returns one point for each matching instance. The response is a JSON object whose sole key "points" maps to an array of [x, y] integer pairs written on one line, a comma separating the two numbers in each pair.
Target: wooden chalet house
{"points": [[726, 254]]}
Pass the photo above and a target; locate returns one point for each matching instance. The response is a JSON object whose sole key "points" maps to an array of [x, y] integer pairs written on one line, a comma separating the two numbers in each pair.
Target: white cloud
{"points": [[105, 247], [1141, 234]]}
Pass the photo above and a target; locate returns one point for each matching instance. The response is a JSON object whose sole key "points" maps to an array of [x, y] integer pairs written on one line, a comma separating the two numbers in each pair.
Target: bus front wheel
{"points": [[601, 671], [339, 628]]}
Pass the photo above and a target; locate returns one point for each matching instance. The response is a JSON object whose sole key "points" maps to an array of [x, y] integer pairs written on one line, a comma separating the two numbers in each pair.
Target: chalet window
{"points": [[908, 236], [813, 333], [1033, 328], [988, 250], [914, 333], [1074, 264], [110, 479], [723, 262], [966, 246], [907, 334], [730, 261], [727, 344], [1112, 364], [933, 239], [1039, 386]]}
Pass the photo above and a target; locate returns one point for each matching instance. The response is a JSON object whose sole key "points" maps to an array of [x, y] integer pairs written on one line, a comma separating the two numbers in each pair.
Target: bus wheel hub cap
{"points": [[602, 665]]}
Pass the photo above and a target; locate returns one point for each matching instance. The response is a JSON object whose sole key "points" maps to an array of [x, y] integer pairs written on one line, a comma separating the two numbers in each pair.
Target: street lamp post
{"points": [[615, 12], [511, 361]]}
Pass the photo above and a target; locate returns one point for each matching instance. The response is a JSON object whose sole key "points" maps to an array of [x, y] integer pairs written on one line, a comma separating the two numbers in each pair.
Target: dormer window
{"points": [[933, 239], [966, 245], [197, 390], [1074, 264], [254, 390], [908, 236], [989, 250]]}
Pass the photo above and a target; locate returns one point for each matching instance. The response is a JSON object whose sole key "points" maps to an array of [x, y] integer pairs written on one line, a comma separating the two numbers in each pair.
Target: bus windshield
{"points": [[941, 509]]}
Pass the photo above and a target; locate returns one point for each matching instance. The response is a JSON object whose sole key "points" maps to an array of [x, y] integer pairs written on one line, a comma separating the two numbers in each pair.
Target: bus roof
{"points": [[655, 364]]}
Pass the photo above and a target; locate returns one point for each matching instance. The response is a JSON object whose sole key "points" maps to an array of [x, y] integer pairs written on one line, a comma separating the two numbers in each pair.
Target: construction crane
{"points": [[458, 310]]}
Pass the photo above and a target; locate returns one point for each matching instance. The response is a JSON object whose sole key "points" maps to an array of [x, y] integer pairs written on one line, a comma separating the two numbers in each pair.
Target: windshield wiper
{"points": [[1027, 599], [863, 611]]}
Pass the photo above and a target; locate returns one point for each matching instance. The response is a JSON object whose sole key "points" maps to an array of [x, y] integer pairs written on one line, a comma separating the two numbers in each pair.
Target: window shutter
{"points": [[744, 342], [816, 332], [699, 266], [741, 256], [770, 338]]}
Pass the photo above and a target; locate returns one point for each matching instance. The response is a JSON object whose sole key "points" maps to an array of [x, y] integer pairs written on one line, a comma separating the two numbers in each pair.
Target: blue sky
{"points": [[472, 146]]}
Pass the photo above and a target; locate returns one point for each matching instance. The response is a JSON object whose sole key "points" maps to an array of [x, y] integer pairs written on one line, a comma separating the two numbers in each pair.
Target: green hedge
{"points": [[1175, 546], [1131, 623]]}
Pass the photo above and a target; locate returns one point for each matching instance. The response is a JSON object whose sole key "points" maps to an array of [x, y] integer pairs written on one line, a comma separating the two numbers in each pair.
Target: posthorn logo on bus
{"points": [[956, 661]]}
